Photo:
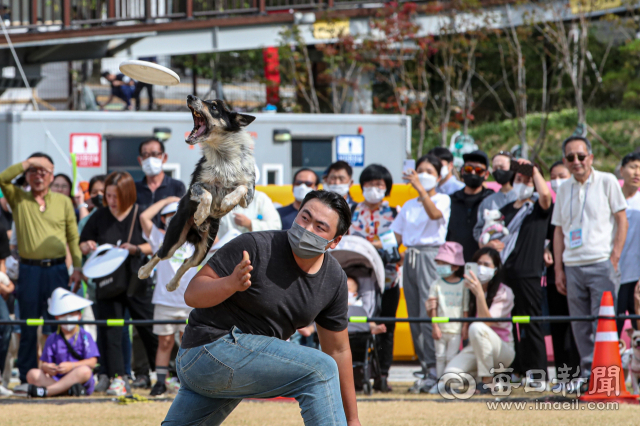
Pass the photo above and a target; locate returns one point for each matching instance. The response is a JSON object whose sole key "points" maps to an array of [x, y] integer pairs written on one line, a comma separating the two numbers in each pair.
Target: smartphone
{"points": [[471, 266], [408, 165]]}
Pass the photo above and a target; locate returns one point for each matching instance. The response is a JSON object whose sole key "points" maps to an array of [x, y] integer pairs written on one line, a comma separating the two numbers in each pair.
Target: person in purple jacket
{"points": [[68, 357]]}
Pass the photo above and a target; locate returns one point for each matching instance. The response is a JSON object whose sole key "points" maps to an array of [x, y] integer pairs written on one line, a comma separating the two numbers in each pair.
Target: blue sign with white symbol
{"points": [[350, 148]]}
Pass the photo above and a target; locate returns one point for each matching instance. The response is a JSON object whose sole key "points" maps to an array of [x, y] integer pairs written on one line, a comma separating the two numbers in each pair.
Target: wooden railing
{"points": [[68, 14]]}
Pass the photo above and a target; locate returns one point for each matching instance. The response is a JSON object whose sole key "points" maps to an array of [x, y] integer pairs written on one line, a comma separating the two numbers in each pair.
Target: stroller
{"points": [[360, 260]]}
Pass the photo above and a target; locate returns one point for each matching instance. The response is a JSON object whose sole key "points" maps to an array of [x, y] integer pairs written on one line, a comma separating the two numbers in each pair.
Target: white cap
{"points": [[63, 302], [170, 208]]}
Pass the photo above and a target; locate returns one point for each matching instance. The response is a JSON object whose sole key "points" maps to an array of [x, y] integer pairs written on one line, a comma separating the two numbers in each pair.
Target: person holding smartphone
{"points": [[422, 226], [527, 219]]}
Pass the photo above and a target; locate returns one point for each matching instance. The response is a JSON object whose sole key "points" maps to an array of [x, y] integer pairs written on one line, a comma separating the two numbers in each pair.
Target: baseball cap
{"points": [[477, 156], [170, 208]]}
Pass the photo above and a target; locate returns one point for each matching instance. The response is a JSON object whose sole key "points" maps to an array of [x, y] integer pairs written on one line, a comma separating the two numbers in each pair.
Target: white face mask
{"points": [[152, 166], [485, 273], [301, 191], [373, 195], [428, 181], [69, 327], [352, 298], [444, 171], [555, 184], [523, 192], [341, 189]]}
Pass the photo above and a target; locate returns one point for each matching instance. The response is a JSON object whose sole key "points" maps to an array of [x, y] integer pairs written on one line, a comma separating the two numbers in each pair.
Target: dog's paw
{"points": [[201, 214], [227, 204], [145, 271], [173, 285]]}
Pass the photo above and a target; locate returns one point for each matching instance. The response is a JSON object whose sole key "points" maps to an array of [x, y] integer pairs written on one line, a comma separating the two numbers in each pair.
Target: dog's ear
{"points": [[242, 119]]}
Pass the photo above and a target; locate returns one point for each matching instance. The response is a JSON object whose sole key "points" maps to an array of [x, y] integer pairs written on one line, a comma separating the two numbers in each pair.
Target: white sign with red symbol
{"points": [[88, 149]]}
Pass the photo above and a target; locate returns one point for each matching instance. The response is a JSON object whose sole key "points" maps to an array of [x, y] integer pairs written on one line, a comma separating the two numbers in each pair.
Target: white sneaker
{"points": [[5, 392], [117, 387]]}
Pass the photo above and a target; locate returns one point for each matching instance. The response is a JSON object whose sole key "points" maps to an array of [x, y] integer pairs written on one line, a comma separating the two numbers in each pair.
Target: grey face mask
{"points": [[305, 244]]}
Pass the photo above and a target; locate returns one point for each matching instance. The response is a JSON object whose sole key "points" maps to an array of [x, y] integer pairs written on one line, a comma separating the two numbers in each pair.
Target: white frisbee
{"points": [[149, 72], [104, 261]]}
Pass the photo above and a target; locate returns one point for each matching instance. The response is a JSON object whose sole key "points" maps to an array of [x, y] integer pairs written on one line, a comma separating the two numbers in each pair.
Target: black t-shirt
{"points": [[287, 216], [103, 228], [4, 243], [281, 299], [463, 218], [169, 187], [526, 260]]}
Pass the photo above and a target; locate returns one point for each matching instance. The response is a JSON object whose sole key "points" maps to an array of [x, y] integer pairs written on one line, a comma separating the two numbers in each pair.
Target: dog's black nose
{"points": [[191, 98]]}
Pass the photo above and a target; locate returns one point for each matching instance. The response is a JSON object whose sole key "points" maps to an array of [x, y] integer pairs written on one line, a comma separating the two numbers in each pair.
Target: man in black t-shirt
{"points": [[122, 87], [252, 296], [527, 219]]}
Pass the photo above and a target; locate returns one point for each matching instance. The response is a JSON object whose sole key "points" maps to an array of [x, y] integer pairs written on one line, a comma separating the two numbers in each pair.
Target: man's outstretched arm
{"points": [[336, 345]]}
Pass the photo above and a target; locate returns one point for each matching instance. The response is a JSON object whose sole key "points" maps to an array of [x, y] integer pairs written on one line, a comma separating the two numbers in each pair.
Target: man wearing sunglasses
{"points": [[465, 202], [591, 228], [45, 227], [304, 181]]}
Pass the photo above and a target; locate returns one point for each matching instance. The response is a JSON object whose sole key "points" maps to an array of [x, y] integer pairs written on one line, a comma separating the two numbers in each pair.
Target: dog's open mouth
{"points": [[199, 125]]}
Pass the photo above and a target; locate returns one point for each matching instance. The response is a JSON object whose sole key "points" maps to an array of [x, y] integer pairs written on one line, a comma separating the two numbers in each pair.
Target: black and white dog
{"points": [[224, 177]]}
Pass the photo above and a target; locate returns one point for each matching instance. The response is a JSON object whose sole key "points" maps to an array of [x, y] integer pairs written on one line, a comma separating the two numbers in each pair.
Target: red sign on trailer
{"points": [[87, 147]]}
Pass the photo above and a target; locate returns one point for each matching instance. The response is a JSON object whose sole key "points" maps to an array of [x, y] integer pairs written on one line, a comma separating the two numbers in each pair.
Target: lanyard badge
{"points": [[575, 235]]}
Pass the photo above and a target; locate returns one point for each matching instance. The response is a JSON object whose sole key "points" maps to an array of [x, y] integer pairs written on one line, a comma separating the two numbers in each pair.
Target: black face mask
{"points": [[472, 181], [97, 200], [503, 176]]}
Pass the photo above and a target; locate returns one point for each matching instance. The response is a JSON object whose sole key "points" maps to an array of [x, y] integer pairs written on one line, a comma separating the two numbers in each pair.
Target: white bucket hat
{"points": [[170, 208], [63, 302]]}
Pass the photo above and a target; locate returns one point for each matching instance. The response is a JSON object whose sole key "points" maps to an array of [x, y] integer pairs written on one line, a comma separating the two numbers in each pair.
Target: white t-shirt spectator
{"points": [[167, 269], [601, 197], [415, 226], [630, 258], [261, 212]]}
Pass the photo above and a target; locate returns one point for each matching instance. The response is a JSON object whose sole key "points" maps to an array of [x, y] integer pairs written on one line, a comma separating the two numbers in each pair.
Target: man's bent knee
{"points": [[325, 366]]}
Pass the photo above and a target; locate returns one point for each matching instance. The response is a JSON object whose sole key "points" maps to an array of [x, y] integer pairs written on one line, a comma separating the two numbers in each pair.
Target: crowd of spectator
{"points": [[560, 254]]}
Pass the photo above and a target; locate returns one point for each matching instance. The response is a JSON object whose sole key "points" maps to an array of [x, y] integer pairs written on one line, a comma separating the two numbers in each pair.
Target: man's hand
{"points": [[548, 258], [49, 368], [496, 245], [561, 282], [38, 163], [354, 423], [75, 280], [241, 276], [65, 367], [435, 332], [615, 259], [242, 220], [87, 247]]}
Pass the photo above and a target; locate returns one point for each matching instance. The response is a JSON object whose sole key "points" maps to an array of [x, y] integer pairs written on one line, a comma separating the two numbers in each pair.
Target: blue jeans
{"points": [[35, 285], [5, 332], [217, 376]]}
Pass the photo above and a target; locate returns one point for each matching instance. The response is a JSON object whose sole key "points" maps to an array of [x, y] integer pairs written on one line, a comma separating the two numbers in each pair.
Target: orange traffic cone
{"points": [[607, 377]]}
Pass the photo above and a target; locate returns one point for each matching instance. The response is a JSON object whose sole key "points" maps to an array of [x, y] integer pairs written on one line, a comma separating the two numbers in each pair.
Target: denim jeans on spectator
{"points": [[5, 333], [216, 377], [35, 285]]}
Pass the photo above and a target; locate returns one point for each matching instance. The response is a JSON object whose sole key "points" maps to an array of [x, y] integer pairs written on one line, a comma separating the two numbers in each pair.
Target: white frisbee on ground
{"points": [[149, 72], [104, 261]]}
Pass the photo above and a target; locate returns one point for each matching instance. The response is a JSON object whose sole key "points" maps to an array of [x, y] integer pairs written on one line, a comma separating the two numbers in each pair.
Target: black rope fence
{"points": [[354, 319]]}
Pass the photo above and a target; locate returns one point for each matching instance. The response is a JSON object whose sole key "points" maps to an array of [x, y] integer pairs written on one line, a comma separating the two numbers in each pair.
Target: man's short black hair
{"points": [[435, 162], [632, 156], [337, 204], [575, 138], [143, 143], [375, 172], [105, 74], [339, 165], [96, 178], [41, 155], [305, 169], [442, 153]]}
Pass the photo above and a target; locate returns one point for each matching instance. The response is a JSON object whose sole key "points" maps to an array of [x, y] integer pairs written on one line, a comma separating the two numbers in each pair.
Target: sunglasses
{"points": [[572, 157], [305, 182], [471, 169]]}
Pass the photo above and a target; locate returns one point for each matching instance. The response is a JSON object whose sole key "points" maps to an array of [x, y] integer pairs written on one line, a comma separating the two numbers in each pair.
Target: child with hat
{"points": [[166, 305], [448, 297], [68, 357]]}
